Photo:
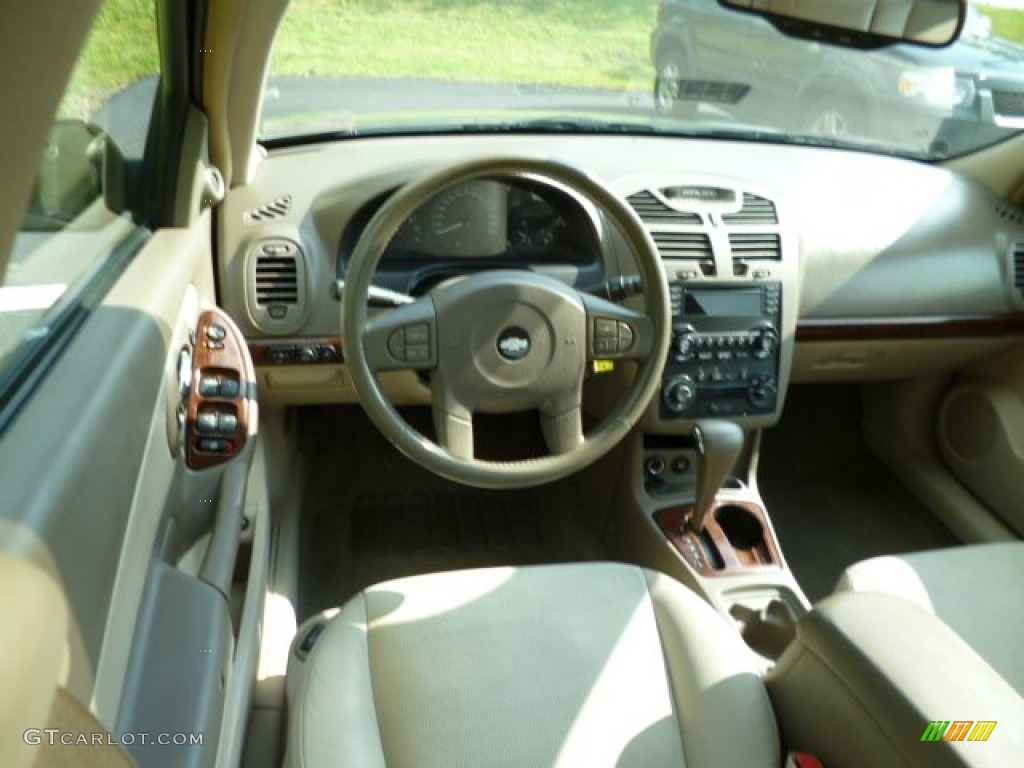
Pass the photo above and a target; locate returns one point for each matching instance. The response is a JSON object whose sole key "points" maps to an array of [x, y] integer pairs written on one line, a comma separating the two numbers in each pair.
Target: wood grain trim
{"points": [[228, 358], [711, 553], [811, 329], [259, 350]]}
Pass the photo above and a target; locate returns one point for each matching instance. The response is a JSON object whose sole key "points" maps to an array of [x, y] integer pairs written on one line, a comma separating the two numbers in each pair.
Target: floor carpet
{"points": [[831, 501]]}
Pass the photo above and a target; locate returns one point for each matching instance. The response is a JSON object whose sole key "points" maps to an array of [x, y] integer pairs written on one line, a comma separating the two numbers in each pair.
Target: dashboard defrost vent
{"points": [[275, 209], [695, 246], [755, 246], [1018, 267], [653, 210], [277, 285], [755, 210], [1008, 212]]}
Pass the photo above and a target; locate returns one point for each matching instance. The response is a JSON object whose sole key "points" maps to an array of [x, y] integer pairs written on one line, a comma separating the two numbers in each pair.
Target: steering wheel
{"points": [[504, 340]]}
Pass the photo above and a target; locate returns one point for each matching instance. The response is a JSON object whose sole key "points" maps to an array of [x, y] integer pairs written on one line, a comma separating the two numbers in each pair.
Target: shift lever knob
{"points": [[718, 446]]}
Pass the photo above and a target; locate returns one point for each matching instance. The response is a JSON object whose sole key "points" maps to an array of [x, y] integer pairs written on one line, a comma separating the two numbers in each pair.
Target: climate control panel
{"points": [[724, 357]]}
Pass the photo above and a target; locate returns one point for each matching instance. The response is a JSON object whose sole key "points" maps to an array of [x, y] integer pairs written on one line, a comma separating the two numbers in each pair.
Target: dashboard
{"points": [[886, 268]]}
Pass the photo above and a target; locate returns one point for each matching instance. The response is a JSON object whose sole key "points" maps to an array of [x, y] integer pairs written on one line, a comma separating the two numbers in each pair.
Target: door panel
{"points": [[88, 465]]}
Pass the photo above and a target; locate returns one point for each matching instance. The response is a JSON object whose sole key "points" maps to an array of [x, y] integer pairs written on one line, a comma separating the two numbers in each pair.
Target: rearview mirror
{"points": [[862, 23]]}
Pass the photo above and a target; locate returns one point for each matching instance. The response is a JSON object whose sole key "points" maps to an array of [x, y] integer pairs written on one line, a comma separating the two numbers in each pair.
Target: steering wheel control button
{"points": [[396, 345], [514, 343], [626, 336], [417, 334], [417, 353], [608, 336]]}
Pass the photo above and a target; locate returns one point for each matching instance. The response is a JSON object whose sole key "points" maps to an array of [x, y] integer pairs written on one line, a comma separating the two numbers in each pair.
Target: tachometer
{"points": [[469, 220]]}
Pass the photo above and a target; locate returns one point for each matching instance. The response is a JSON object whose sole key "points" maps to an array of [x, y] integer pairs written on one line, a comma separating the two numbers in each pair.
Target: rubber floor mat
{"points": [[369, 514], [441, 522]]}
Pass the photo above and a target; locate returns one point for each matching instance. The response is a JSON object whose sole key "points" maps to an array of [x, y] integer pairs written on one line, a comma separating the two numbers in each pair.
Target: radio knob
{"points": [[680, 393], [765, 342], [686, 343]]}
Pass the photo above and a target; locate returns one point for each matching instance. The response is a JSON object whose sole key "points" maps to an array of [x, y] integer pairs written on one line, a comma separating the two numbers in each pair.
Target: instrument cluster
{"points": [[491, 223]]}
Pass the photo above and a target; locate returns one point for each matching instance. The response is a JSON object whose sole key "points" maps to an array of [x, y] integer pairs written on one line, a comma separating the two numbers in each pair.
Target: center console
{"points": [[724, 358], [731, 258]]}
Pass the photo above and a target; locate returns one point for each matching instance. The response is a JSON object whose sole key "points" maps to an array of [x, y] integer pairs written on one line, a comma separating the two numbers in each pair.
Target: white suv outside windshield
{"points": [[365, 67]]}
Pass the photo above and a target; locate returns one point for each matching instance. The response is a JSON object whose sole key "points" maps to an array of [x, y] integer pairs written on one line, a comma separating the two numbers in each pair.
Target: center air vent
{"points": [[695, 246], [1018, 267], [275, 209], [654, 210], [755, 246], [755, 210], [277, 284]]}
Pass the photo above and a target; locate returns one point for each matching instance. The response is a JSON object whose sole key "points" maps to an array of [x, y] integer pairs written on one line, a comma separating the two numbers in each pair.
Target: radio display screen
{"points": [[723, 303]]}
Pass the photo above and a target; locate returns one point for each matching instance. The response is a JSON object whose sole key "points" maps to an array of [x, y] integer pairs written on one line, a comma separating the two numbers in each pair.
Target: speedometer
{"points": [[469, 220]]}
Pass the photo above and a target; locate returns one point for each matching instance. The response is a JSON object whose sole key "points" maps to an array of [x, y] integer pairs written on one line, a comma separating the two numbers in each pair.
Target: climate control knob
{"points": [[763, 391], [766, 341], [679, 393]]}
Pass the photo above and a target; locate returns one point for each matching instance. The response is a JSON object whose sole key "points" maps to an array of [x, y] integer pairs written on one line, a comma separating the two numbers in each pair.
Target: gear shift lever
{"points": [[718, 446]]}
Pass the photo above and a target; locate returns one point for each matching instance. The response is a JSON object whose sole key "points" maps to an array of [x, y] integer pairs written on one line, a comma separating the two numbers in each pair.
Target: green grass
{"points": [[558, 42], [597, 44], [601, 43], [121, 49], [1006, 23]]}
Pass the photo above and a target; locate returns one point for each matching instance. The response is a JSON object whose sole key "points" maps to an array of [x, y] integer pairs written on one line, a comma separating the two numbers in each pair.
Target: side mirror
{"points": [[862, 23], [79, 165]]}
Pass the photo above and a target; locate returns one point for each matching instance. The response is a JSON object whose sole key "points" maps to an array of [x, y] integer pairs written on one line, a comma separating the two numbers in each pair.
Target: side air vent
{"points": [[651, 209], [275, 209], [1018, 267], [755, 210], [277, 284], [755, 246], [276, 280], [695, 246]]}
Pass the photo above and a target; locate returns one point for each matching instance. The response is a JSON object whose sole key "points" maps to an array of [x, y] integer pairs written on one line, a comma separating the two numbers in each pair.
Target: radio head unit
{"points": [[724, 357]]}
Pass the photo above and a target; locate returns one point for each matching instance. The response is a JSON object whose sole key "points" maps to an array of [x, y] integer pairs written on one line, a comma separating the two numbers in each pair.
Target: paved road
{"points": [[298, 105], [290, 102]]}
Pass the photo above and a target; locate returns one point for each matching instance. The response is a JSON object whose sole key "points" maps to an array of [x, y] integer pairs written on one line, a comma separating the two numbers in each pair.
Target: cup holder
{"points": [[741, 527]]}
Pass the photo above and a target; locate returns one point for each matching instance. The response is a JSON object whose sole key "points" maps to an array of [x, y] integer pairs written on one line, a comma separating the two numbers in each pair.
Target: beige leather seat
{"points": [[978, 591], [906, 642], [594, 664]]}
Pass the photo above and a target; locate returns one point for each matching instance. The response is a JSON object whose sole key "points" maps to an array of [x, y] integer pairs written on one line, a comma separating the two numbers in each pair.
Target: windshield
{"points": [[688, 67]]}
